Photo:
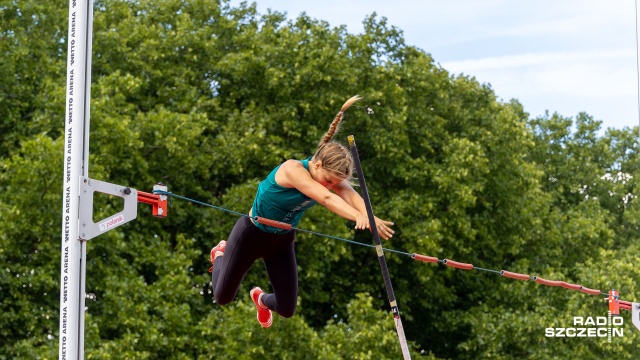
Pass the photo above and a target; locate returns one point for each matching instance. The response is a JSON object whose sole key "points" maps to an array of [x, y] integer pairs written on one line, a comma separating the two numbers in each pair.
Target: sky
{"points": [[564, 56]]}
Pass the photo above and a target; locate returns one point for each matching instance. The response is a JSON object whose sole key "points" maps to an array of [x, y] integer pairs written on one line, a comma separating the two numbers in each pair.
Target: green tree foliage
{"points": [[208, 98], [33, 57]]}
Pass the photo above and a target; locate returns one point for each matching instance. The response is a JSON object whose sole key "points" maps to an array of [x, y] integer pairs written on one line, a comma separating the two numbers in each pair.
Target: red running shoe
{"points": [[218, 248], [264, 314]]}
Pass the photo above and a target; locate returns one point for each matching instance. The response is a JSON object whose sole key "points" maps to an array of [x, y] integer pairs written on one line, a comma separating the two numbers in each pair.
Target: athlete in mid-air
{"points": [[288, 191]]}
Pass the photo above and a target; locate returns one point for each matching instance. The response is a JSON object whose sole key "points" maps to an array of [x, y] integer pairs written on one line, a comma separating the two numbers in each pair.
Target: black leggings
{"points": [[245, 245]]}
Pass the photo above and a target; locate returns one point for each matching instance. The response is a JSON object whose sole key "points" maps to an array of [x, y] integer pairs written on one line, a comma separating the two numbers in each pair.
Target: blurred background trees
{"points": [[208, 98]]}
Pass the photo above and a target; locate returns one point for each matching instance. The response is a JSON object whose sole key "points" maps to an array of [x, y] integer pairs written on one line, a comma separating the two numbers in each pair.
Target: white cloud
{"points": [[567, 56], [595, 81], [531, 59]]}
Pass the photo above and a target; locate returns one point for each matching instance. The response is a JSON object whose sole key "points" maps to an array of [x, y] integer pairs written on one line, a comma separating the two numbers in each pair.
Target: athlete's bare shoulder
{"points": [[289, 172], [291, 164]]}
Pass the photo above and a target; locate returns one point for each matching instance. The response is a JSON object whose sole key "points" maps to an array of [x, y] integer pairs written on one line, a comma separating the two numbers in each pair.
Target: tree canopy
{"points": [[208, 98]]}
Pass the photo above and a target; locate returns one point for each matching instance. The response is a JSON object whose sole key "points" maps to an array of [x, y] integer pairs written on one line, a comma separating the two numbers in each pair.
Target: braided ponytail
{"points": [[335, 158], [335, 124]]}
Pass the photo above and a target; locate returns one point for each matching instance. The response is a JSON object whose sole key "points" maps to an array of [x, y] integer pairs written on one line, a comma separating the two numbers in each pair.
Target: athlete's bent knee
{"points": [[287, 313], [221, 298]]}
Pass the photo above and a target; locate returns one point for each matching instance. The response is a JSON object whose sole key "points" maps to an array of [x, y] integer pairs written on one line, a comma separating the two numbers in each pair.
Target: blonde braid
{"points": [[335, 158], [335, 124]]}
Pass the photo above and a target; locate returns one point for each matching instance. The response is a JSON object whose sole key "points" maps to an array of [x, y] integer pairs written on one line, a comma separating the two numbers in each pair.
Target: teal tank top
{"points": [[279, 203]]}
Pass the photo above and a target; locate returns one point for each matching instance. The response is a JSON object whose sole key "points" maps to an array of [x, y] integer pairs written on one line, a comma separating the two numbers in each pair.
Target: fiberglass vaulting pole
{"points": [[76, 164], [379, 250]]}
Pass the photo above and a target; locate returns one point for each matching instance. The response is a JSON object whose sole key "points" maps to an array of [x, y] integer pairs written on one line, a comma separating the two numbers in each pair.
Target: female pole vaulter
{"points": [[288, 191]]}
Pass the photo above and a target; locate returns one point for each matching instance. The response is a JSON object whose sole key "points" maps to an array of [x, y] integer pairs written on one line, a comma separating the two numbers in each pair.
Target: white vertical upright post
{"points": [[638, 59], [76, 164]]}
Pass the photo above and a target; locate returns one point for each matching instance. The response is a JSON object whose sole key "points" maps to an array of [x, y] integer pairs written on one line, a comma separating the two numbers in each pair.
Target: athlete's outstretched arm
{"points": [[351, 197], [293, 174]]}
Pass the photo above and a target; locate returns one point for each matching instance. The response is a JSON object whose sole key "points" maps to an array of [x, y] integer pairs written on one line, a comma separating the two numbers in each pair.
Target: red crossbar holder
{"points": [[614, 302], [626, 305], [158, 202]]}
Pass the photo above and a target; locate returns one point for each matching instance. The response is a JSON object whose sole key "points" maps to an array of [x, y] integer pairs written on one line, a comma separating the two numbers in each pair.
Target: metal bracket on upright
{"points": [[90, 229], [635, 314]]}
